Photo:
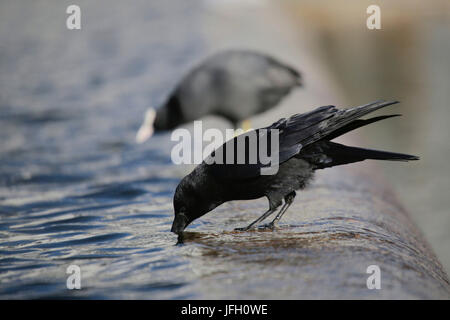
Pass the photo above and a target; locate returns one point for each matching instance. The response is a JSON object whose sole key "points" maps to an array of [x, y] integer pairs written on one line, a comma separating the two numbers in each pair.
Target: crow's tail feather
{"points": [[357, 124], [335, 120], [325, 154]]}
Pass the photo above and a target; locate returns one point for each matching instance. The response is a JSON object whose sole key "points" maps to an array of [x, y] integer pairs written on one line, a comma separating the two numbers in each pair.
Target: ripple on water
{"points": [[115, 191], [83, 241], [75, 188]]}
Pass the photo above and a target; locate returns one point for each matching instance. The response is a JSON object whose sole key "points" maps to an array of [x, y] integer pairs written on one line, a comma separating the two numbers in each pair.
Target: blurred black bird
{"points": [[234, 84], [304, 146]]}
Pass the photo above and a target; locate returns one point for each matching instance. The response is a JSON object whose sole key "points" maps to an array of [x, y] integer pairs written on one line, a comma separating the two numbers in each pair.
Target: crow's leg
{"points": [[274, 203], [287, 202], [271, 224], [265, 215]]}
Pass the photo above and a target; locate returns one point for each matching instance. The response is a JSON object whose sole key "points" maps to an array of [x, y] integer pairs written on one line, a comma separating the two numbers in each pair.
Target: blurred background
{"points": [[407, 60], [75, 187]]}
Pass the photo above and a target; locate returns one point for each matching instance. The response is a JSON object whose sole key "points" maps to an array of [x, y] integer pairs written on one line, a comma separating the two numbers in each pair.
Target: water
{"points": [[76, 190], [74, 187]]}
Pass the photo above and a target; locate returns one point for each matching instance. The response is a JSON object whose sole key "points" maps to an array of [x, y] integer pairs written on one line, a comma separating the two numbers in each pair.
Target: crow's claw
{"points": [[267, 226]]}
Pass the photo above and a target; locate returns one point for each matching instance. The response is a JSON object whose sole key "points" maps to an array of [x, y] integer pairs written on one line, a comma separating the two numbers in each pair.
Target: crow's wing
{"points": [[295, 133], [288, 145]]}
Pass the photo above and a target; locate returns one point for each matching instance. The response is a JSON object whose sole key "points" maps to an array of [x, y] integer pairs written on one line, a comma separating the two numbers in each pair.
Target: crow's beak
{"points": [[179, 223]]}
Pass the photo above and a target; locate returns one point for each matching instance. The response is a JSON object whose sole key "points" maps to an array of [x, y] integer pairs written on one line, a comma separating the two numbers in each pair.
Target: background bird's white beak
{"points": [[146, 129]]}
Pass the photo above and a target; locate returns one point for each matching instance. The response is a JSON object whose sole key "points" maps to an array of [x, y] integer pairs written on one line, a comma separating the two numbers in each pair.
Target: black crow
{"points": [[234, 84], [304, 146]]}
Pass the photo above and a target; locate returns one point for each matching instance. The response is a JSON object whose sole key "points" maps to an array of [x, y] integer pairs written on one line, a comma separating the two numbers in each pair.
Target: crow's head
{"points": [[189, 203]]}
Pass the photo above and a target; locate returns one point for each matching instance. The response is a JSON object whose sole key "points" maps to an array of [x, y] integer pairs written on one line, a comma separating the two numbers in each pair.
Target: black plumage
{"points": [[304, 146], [234, 84]]}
